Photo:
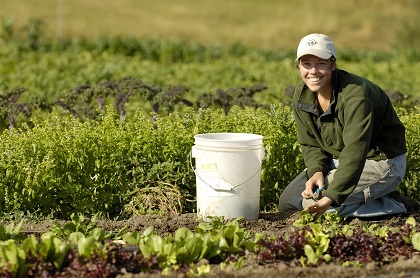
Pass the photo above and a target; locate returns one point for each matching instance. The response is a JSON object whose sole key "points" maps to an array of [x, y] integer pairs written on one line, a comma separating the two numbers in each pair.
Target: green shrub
{"points": [[62, 166], [411, 121]]}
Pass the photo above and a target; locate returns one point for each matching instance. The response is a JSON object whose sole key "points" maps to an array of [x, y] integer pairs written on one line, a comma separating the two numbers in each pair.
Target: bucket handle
{"points": [[217, 188]]}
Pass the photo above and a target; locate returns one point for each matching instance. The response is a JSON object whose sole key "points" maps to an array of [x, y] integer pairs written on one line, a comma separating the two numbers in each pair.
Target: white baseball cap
{"points": [[316, 44]]}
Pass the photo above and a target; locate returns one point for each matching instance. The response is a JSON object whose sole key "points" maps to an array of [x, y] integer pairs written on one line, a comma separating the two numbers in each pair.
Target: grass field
{"points": [[371, 24]]}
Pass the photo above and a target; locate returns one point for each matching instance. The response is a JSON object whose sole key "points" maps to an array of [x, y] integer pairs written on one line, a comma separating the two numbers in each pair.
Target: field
{"points": [[377, 24], [131, 165]]}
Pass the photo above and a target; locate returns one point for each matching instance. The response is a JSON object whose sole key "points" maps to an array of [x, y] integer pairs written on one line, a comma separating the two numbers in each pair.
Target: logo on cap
{"points": [[312, 42]]}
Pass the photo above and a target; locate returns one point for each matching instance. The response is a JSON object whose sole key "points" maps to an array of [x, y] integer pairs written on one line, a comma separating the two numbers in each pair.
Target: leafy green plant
{"points": [[13, 257], [78, 224], [50, 248], [12, 232], [82, 228], [215, 239], [317, 244], [411, 119], [327, 241]]}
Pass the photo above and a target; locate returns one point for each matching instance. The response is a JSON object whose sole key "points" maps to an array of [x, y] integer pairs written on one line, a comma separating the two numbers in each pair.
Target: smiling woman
{"points": [[377, 25], [353, 143]]}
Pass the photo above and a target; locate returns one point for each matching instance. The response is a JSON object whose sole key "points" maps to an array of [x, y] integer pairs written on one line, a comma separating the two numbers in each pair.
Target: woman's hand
{"points": [[319, 207], [316, 181]]}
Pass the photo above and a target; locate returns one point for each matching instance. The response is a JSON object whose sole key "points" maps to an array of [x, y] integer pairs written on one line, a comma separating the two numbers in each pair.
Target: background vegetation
{"points": [[356, 24]]}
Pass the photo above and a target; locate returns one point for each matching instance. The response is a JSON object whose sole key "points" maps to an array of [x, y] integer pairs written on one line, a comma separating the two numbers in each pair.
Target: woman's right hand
{"points": [[316, 181]]}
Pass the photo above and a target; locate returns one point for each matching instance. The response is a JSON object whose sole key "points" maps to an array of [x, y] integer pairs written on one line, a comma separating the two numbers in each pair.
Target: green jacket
{"points": [[360, 124]]}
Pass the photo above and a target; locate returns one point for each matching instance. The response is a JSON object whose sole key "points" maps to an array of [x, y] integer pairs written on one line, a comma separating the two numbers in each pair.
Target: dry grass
{"points": [[156, 197], [372, 24]]}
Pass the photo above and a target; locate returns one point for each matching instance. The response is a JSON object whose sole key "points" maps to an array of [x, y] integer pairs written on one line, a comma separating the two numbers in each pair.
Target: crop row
{"points": [[60, 165], [81, 249]]}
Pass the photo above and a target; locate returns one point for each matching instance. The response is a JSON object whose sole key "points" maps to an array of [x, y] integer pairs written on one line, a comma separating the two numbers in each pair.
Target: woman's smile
{"points": [[315, 79]]}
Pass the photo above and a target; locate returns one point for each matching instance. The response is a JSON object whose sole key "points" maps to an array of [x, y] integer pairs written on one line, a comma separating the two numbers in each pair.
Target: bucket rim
{"points": [[235, 136]]}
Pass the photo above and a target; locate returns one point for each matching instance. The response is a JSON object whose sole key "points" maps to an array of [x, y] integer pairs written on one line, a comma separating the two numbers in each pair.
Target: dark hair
{"points": [[333, 61]]}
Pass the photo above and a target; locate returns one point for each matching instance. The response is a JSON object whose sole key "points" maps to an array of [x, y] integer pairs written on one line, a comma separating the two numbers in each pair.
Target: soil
{"points": [[277, 224]]}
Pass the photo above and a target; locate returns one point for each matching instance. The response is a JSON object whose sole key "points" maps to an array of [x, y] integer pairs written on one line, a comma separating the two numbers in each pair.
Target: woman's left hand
{"points": [[318, 208]]}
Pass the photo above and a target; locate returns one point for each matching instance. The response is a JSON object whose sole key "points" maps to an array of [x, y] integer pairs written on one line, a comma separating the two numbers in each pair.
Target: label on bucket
{"points": [[210, 167]]}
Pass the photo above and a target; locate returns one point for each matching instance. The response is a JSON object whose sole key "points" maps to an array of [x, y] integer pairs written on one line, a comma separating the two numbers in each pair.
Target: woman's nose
{"points": [[313, 69]]}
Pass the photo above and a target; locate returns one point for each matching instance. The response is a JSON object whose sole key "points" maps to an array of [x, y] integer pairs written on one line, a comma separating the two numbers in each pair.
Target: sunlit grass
{"points": [[374, 24]]}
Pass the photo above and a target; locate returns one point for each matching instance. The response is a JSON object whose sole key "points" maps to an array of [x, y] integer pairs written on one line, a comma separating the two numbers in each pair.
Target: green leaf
{"points": [[415, 240], [30, 244], [203, 269], [98, 233], [149, 231], [411, 220], [11, 253], [157, 243], [305, 218], [151, 245], [238, 237], [207, 246], [310, 254], [120, 232], [249, 245], [61, 250], [14, 230], [14, 257], [182, 234], [85, 246], [193, 249], [146, 250], [132, 238], [47, 247], [327, 258], [76, 236]]}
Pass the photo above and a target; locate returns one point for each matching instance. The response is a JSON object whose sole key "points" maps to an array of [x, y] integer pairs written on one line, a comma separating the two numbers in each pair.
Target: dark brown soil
{"points": [[276, 224]]}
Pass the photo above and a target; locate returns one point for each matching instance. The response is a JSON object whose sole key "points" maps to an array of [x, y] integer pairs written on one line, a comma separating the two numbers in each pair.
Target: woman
{"points": [[352, 141]]}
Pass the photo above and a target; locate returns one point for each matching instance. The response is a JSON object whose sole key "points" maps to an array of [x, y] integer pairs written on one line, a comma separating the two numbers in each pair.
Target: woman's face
{"points": [[316, 73]]}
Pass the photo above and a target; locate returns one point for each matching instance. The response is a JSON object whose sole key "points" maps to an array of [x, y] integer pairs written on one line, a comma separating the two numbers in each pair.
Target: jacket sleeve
{"points": [[357, 133]]}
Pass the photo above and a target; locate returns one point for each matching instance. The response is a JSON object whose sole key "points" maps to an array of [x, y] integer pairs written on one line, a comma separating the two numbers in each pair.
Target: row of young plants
{"points": [[81, 249], [88, 101], [60, 165]]}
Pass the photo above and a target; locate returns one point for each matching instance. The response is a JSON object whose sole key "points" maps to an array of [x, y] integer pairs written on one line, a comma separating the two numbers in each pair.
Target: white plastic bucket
{"points": [[228, 174]]}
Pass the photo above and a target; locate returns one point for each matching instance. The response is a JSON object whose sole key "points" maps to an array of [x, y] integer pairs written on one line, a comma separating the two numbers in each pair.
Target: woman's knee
{"points": [[290, 202], [291, 198]]}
